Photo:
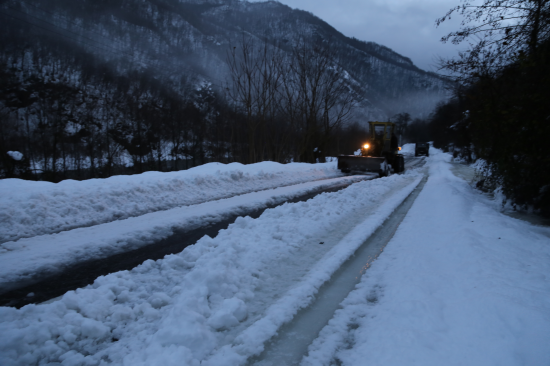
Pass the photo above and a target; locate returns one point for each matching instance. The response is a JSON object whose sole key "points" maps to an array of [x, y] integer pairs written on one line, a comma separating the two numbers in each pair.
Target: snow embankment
{"points": [[30, 208], [44, 255], [216, 302], [408, 149], [459, 284]]}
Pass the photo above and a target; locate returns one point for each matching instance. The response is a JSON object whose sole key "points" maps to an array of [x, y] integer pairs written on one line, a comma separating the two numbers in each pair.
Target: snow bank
{"points": [[459, 284], [44, 255], [15, 155], [30, 208], [191, 307], [408, 149]]}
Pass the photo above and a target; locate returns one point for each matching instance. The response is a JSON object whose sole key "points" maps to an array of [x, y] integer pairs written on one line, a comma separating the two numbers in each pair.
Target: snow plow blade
{"points": [[349, 163]]}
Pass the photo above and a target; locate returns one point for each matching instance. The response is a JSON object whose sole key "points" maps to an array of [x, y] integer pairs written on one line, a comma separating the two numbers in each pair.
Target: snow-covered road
{"points": [[49, 254], [459, 284], [245, 282], [457, 279]]}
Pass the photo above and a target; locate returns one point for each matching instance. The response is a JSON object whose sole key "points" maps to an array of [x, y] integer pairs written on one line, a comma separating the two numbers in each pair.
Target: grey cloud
{"points": [[406, 26]]}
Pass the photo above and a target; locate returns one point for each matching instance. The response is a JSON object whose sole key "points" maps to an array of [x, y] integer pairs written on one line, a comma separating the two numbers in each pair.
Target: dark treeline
{"points": [[500, 112], [113, 124], [294, 103], [503, 119], [102, 124]]}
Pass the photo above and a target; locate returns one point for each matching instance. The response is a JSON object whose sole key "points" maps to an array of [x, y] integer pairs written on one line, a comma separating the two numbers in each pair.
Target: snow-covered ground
{"points": [[215, 302], [30, 208], [459, 284], [47, 254]]}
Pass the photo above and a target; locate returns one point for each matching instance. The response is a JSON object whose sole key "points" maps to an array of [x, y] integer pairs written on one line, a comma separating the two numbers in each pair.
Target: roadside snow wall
{"points": [[30, 208]]}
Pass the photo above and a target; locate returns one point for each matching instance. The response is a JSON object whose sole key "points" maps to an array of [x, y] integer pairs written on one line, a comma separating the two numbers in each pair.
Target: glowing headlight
{"points": [[366, 146]]}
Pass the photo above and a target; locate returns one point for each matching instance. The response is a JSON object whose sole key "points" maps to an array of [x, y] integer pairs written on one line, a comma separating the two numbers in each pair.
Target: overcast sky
{"points": [[405, 26]]}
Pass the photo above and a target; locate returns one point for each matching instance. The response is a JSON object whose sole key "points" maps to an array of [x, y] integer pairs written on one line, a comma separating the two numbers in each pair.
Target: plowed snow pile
{"points": [[34, 208], [41, 256]]}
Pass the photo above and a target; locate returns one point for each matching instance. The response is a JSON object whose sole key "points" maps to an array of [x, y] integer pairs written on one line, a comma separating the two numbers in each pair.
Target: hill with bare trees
{"points": [[96, 88]]}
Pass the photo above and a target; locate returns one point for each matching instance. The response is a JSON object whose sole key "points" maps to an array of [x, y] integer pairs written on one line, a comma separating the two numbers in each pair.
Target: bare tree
{"points": [[504, 30], [324, 99], [401, 121], [297, 99], [255, 76]]}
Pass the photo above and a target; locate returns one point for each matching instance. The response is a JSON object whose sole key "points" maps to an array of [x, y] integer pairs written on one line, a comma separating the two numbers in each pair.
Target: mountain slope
{"points": [[96, 85]]}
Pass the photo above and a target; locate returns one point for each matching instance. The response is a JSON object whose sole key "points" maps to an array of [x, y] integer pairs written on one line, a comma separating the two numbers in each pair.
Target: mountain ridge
{"points": [[100, 83]]}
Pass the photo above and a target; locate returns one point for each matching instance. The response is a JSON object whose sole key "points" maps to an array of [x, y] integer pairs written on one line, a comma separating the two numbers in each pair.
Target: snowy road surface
{"points": [[459, 284], [48, 254]]}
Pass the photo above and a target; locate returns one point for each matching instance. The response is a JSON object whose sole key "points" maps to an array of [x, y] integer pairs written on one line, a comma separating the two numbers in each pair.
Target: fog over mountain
{"points": [[77, 69]]}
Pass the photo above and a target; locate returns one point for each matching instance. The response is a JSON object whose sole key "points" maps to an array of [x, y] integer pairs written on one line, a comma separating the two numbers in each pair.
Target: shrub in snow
{"points": [[14, 165], [15, 155]]}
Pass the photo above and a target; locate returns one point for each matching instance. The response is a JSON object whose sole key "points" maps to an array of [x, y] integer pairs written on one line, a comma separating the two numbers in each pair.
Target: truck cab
{"points": [[379, 154], [422, 148]]}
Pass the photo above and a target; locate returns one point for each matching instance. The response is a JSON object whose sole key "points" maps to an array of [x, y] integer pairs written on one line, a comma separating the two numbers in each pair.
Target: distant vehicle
{"points": [[380, 153], [422, 148]]}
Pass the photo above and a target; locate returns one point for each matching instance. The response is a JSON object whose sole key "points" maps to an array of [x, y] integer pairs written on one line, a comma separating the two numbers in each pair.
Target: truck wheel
{"points": [[400, 164]]}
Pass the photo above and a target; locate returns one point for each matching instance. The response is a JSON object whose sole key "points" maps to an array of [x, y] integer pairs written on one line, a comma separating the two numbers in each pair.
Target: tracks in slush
{"points": [[44, 287], [293, 339]]}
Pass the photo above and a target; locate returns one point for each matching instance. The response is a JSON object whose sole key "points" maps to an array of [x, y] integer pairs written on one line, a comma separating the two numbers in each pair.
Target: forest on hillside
{"points": [[97, 88], [500, 111]]}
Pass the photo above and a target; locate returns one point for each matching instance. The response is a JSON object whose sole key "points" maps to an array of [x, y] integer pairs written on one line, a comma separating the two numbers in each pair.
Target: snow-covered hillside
{"points": [[101, 88]]}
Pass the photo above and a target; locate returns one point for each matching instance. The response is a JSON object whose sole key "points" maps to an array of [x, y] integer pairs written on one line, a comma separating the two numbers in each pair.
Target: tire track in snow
{"points": [[252, 340], [47, 283], [293, 339]]}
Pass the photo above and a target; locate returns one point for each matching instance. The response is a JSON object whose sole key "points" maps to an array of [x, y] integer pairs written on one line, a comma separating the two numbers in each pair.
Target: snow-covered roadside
{"points": [[459, 284], [47, 254], [408, 149], [192, 306], [34, 208]]}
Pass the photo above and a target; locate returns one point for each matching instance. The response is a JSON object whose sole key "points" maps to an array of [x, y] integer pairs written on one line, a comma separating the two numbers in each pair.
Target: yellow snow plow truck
{"points": [[379, 154]]}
